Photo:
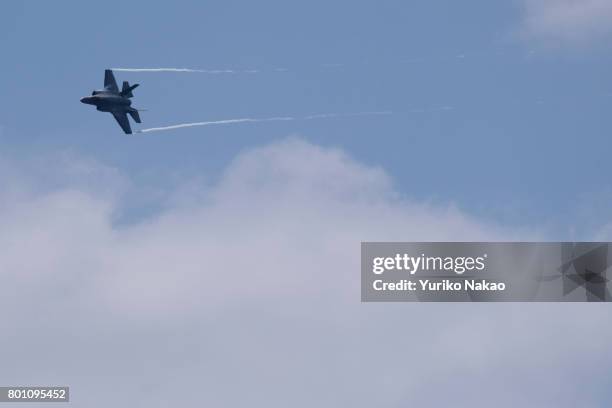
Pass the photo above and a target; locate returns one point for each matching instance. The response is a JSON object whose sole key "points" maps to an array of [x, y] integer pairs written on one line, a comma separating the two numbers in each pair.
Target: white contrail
{"points": [[341, 115], [272, 119], [215, 122], [205, 71]]}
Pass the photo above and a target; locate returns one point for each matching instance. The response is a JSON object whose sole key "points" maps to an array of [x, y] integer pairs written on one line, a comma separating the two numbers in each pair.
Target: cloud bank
{"points": [[247, 293], [563, 22]]}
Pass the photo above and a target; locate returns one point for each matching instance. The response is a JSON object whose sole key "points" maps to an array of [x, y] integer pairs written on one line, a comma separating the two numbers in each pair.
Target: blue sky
{"points": [[219, 265], [527, 139]]}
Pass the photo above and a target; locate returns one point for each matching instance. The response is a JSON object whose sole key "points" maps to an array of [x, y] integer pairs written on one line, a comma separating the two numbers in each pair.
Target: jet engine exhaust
{"points": [[204, 71]]}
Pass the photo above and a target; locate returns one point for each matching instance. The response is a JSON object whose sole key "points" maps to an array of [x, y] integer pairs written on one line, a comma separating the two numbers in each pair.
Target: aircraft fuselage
{"points": [[107, 101]]}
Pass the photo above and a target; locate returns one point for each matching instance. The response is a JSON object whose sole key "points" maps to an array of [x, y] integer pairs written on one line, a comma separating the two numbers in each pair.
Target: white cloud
{"points": [[248, 294], [564, 22]]}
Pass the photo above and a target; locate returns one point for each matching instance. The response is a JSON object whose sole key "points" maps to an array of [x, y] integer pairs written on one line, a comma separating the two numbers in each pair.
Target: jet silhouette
{"points": [[110, 99]]}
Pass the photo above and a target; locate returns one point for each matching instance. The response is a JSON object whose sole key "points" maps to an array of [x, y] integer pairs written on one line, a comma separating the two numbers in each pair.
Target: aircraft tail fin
{"points": [[126, 90], [134, 114]]}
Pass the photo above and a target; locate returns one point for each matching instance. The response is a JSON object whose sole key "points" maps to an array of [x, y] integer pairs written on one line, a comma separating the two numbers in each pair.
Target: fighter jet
{"points": [[110, 99]]}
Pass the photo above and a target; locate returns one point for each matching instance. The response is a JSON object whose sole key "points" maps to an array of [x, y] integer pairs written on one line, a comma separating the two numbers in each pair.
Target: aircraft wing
{"points": [[122, 119], [109, 81]]}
